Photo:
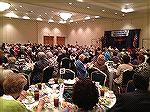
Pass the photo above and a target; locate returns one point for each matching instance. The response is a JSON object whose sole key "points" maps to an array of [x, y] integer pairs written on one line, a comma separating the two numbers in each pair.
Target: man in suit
{"points": [[139, 100]]}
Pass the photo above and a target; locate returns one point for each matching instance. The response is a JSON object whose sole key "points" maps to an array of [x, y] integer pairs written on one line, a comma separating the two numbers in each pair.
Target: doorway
{"points": [[60, 40], [49, 40]]}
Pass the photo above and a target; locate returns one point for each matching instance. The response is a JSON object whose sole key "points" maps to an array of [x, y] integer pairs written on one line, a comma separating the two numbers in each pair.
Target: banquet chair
{"points": [[90, 70], [127, 76], [99, 76], [65, 63], [69, 74], [47, 74], [28, 77]]}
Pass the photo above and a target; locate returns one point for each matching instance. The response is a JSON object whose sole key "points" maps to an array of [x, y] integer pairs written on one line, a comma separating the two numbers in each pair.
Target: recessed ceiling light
{"points": [[80, 0], [27, 13], [70, 3], [15, 9], [116, 13], [11, 14], [87, 7], [83, 21], [103, 10], [20, 6], [50, 21], [76, 22], [25, 17], [123, 14], [127, 9], [88, 17], [96, 16], [39, 19], [31, 11], [46, 13], [52, 11]]}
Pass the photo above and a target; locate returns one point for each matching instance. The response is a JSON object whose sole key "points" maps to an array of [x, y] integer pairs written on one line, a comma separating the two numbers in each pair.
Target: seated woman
{"points": [[13, 88], [85, 95], [139, 100], [100, 64]]}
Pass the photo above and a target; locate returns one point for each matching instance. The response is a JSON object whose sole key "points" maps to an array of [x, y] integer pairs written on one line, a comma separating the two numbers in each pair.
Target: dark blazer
{"points": [[137, 101]]}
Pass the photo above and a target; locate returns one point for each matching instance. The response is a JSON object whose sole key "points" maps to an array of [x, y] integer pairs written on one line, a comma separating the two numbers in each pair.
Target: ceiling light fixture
{"points": [[96, 16], [116, 13], [4, 6], [11, 14], [80, 0], [50, 21], [103, 10], [39, 19], [20, 6], [127, 9], [87, 7], [15, 9], [65, 15], [88, 17], [25, 17], [70, 3]]}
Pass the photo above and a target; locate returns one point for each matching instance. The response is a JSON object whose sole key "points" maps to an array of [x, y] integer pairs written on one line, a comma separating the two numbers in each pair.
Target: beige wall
{"points": [[51, 29], [18, 31], [85, 32], [22, 31]]}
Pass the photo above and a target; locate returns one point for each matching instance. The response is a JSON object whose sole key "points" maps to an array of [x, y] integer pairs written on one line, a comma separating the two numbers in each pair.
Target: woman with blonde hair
{"points": [[13, 87]]}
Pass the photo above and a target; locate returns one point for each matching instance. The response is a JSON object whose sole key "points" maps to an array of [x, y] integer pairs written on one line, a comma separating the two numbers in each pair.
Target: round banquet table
{"points": [[50, 90]]}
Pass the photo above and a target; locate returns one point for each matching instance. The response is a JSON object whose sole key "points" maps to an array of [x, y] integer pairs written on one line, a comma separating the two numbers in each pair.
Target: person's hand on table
{"points": [[23, 95], [40, 105]]}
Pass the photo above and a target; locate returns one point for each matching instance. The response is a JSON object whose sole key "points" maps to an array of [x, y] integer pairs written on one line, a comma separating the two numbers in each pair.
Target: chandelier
{"points": [[127, 9], [65, 15]]}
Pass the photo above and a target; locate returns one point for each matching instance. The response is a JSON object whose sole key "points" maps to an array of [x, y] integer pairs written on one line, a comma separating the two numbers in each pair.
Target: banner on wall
{"points": [[122, 38], [119, 33]]}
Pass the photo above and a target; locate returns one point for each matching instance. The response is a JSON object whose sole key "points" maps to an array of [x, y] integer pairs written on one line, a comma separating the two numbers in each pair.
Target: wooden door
{"points": [[48, 40], [60, 40]]}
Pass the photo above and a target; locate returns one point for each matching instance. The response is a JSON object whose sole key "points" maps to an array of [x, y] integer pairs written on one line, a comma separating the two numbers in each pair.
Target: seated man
{"points": [[81, 70], [139, 100]]}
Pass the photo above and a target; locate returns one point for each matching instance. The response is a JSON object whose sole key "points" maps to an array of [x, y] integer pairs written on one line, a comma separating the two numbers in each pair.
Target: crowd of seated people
{"points": [[80, 59], [47, 55]]}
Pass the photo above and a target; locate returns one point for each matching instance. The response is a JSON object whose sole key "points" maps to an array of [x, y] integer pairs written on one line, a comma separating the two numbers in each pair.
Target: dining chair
{"points": [[28, 77], [47, 74], [127, 76], [69, 74], [99, 76]]}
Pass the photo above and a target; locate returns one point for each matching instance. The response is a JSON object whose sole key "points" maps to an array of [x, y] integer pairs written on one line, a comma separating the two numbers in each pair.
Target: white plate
{"points": [[69, 81], [26, 101]]}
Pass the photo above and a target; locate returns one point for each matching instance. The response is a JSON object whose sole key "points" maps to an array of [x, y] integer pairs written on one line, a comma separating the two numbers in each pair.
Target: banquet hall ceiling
{"points": [[50, 9]]}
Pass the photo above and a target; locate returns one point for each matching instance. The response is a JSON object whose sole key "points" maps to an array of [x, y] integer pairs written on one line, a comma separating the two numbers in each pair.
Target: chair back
{"points": [[65, 63], [127, 75], [47, 74], [90, 70], [28, 77], [99, 76], [69, 74]]}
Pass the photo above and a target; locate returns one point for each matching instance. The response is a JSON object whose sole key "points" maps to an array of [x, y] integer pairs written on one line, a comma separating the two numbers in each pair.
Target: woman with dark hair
{"points": [[85, 95]]}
